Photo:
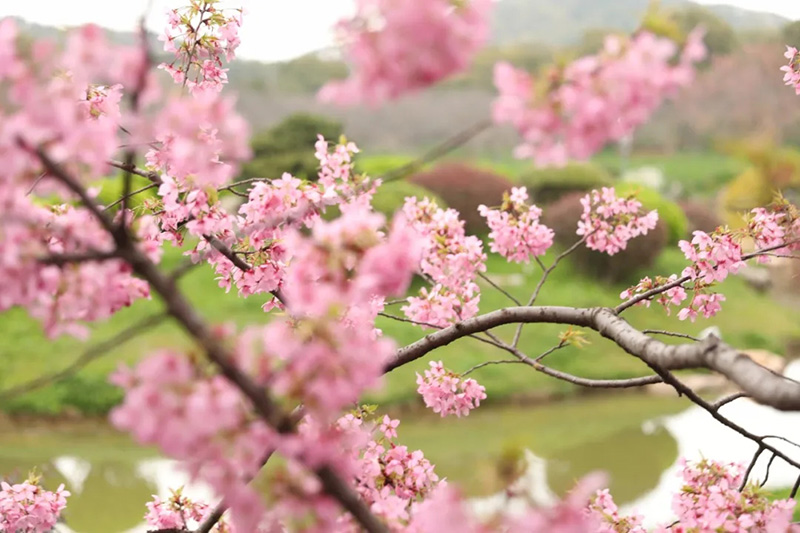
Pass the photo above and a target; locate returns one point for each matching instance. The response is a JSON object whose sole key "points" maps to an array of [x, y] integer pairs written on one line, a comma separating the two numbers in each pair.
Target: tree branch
{"points": [[758, 382], [545, 273], [438, 151], [67, 259], [180, 309]]}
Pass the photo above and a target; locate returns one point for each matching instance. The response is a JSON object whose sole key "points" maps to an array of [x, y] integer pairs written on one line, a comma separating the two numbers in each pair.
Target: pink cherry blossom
{"points": [[386, 64], [446, 393], [199, 35], [573, 111], [516, 232], [28, 508], [608, 222]]}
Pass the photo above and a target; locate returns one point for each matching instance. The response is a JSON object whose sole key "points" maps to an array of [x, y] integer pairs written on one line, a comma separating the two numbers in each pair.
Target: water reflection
{"points": [[696, 435], [110, 486]]}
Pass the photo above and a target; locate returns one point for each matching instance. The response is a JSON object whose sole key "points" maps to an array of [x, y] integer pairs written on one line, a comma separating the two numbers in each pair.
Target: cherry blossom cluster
{"points": [[199, 35], [451, 261], [180, 513], [322, 356], [711, 500], [199, 139], [608, 222], [28, 508], [385, 63], [447, 393], [573, 111], [792, 69], [666, 298], [772, 226], [516, 232], [391, 478], [712, 257], [61, 296], [606, 515]]}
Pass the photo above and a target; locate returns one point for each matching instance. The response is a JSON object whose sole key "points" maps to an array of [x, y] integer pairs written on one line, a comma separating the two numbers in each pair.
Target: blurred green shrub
{"points": [[391, 196], [641, 253], [547, 185], [378, 165], [111, 190], [289, 147], [464, 188]]}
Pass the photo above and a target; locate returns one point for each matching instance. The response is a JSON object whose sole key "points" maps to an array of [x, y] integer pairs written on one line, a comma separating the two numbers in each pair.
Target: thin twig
{"points": [[488, 280], [728, 399], [766, 473], [131, 195], [434, 326], [546, 271], [133, 169], [438, 151], [750, 467], [670, 334], [487, 363], [87, 357], [796, 486]]}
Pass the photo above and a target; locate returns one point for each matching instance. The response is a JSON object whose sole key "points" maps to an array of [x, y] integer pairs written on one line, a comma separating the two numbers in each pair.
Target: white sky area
{"points": [[273, 29]]}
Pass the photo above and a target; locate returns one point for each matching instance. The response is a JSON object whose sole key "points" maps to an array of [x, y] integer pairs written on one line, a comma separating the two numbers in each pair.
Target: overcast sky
{"points": [[273, 29]]}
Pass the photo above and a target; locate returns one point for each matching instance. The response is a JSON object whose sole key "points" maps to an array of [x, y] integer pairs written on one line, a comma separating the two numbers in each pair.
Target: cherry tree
{"points": [[292, 386]]}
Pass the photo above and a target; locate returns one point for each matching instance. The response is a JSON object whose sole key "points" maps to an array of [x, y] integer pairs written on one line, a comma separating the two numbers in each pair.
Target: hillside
{"points": [[565, 21]]}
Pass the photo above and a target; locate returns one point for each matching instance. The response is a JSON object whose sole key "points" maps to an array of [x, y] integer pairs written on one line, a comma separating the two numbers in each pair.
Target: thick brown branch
{"points": [[758, 382], [68, 259], [186, 315]]}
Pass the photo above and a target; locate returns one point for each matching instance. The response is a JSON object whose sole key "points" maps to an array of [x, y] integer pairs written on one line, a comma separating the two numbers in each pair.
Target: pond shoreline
{"points": [[73, 420]]}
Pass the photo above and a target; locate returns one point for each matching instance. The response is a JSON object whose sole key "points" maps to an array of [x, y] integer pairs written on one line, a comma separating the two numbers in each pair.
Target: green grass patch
{"points": [[748, 320]]}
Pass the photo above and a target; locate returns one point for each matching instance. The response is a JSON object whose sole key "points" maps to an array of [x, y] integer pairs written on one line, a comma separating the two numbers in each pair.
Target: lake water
{"points": [[637, 439]]}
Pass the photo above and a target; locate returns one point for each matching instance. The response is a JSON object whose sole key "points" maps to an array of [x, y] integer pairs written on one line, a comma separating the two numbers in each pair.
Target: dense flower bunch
{"points": [[451, 260], [714, 256], [200, 139], [447, 393], [608, 222], [28, 508], [321, 356], [199, 35], [709, 500], [516, 232], [572, 112], [180, 513], [386, 63], [792, 69], [60, 296], [391, 478]]}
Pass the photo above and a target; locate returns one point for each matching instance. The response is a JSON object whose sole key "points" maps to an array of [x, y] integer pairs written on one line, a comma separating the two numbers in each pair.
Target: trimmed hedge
{"points": [[464, 188], [546, 185], [390, 196]]}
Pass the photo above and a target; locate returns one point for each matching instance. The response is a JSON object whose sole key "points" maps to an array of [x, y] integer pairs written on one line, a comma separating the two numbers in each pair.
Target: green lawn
{"points": [[748, 320], [698, 173]]}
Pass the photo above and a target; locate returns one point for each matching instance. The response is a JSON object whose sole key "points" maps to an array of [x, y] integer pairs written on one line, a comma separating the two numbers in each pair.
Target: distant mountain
{"points": [[559, 22]]}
